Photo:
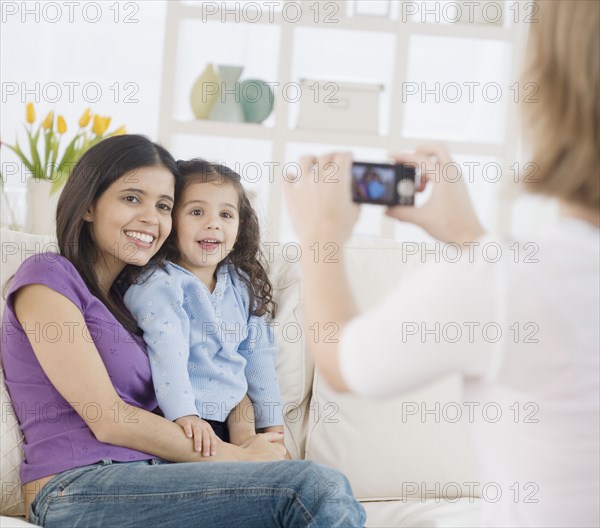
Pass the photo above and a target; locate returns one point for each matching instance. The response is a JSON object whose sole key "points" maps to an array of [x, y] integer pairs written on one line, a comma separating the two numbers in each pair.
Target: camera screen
{"points": [[373, 184]]}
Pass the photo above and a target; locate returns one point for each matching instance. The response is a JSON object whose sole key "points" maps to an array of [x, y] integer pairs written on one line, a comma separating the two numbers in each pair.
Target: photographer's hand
{"points": [[448, 215], [320, 200]]}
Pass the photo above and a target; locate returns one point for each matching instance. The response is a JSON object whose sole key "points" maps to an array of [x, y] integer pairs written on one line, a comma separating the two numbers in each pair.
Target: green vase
{"points": [[257, 100], [205, 93]]}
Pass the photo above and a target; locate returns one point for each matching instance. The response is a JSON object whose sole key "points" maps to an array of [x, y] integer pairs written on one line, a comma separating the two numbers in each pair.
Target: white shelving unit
{"points": [[281, 134]]}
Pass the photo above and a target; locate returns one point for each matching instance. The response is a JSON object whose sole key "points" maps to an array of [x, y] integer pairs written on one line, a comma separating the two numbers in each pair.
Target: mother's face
{"points": [[132, 218]]}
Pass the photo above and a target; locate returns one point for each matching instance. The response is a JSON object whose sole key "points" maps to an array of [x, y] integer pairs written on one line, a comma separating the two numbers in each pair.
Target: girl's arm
{"points": [[75, 368], [240, 422], [157, 306], [259, 350], [263, 386]]}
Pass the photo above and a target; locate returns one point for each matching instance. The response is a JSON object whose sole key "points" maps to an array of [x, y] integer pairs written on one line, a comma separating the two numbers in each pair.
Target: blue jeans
{"points": [[153, 492]]}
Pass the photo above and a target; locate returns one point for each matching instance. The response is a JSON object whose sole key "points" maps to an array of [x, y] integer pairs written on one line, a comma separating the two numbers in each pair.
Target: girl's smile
{"points": [[207, 226]]}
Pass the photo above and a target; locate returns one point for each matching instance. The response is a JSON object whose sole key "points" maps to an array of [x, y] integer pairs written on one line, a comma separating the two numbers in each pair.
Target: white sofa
{"points": [[407, 467]]}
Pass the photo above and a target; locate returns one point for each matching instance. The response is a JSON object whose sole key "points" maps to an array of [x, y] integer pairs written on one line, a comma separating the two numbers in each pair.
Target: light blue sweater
{"points": [[206, 350]]}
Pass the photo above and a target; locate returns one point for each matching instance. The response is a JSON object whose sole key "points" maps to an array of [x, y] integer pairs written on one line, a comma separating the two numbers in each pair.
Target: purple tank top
{"points": [[56, 437]]}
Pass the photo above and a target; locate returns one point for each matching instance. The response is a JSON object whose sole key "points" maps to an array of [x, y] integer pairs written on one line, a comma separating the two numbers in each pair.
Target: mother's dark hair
{"points": [[97, 169]]}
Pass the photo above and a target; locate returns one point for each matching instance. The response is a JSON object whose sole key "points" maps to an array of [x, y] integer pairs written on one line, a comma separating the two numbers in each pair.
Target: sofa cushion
{"points": [[449, 513], [294, 365], [14, 522], [11, 440], [390, 448], [397, 448], [16, 247]]}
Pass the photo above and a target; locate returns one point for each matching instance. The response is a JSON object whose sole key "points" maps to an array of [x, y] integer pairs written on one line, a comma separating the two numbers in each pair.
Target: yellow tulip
{"points": [[120, 131], [100, 125], [30, 113], [48, 121], [61, 125], [85, 118]]}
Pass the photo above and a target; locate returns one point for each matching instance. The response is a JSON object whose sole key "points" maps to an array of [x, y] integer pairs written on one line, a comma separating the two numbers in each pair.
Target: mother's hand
{"points": [[320, 199], [448, 215], [264, 447]]}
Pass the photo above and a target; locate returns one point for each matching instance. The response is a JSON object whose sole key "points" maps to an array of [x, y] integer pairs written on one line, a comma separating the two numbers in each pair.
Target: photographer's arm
{"points": [[74, 367], [326, 290], [327, 296]]}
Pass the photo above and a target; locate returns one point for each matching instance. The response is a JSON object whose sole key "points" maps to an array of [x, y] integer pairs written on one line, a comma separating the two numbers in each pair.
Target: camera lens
{"points": [[406, 188]]}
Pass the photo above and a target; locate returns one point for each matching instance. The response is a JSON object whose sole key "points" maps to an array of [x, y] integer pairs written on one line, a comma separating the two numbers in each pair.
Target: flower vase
{"points": [[41, 207], [13, 209], [205, 93], [228, 106]]}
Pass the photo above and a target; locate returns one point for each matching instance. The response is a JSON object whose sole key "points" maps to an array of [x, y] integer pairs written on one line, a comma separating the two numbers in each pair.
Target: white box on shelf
{"points": [[341, 106]]}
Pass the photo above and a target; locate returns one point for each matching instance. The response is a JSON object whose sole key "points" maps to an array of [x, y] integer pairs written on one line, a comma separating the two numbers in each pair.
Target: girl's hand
{"points": [[320, 200], [205, 439], [448, 215], [264, 447]]}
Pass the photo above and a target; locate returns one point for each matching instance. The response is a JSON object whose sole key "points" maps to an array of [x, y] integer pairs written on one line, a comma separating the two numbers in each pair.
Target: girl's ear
{"points": [[87, 217]]}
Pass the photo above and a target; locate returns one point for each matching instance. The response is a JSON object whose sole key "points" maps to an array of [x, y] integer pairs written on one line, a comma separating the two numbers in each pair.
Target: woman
{"points": [[95, 453], [541, 456]]}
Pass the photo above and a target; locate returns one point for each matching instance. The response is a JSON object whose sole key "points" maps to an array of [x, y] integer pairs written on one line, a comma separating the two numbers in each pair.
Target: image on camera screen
{"points": [[373, 184]]}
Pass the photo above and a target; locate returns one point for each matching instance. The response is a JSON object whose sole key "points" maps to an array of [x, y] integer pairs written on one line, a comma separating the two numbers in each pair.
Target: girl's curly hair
{"points": [[247, 255]]}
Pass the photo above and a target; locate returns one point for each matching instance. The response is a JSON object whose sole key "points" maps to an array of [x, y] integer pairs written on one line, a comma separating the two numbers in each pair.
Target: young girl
{"points": [[203, 314]]}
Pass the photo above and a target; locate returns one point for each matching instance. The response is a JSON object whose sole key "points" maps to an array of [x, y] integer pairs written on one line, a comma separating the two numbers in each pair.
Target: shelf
{"points": [[334, 137], [342, 22], [202, 127], [350, 139], [331, 16], [308, 18], [328, 137], [464, 31], [457, 147], [255, 131]]}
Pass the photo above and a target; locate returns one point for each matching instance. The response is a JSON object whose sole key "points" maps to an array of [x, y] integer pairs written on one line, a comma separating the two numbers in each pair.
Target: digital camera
{"points": [[383, 183]]}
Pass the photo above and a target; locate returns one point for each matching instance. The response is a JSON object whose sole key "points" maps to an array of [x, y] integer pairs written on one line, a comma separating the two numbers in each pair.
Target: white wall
{"points": [[102, 55]]}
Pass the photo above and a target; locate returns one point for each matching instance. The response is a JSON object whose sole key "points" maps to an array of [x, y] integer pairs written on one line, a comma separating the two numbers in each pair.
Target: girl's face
{"points": [[131, 219], [207, 226]]}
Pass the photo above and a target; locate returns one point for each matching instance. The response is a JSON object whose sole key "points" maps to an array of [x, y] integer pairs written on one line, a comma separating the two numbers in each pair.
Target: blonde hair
{"points": [[563, 62]]}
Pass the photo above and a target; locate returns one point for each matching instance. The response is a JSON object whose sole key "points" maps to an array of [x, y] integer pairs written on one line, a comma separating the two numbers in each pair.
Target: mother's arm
{"points": [[75, 368]]}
